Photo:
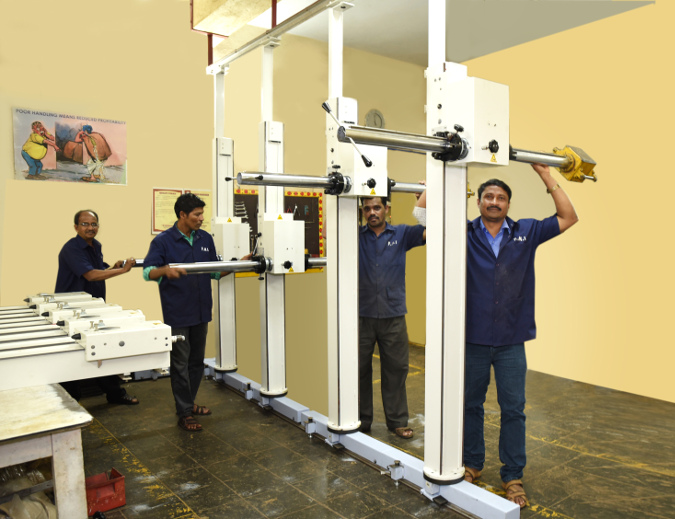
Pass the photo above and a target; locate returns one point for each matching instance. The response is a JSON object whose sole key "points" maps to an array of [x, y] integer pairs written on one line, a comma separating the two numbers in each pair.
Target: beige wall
{"points": [[604, 288], [603, 291], [129, 60]]}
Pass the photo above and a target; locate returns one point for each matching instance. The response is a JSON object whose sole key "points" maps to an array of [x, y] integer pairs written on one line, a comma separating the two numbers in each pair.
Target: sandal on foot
{"points": [[125, 399], [189, 424], [471, 475], [514, 490], [200, 410], [403, 432]]}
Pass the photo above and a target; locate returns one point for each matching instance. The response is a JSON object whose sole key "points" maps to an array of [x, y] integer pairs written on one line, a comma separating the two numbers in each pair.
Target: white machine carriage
{"points": [[71, 336]]}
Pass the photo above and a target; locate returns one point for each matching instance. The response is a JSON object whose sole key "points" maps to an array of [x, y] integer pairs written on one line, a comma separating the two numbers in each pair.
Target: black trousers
{"points": [[391, 336]]}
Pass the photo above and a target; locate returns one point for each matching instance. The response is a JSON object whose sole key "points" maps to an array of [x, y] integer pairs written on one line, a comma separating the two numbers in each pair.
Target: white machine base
{"points": [[397, 464]]}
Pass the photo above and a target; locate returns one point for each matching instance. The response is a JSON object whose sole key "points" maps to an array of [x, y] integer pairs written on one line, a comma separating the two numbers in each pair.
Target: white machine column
{"points": [[230, 235], [271, 208], [446, 288], [342, 272]]}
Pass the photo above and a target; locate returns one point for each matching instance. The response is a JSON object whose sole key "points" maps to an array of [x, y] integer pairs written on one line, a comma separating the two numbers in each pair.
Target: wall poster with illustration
{"points": [[69, 148]]}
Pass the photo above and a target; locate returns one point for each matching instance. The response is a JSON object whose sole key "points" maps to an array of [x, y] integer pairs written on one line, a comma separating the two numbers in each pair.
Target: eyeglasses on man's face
{"points": [[87, 224]]}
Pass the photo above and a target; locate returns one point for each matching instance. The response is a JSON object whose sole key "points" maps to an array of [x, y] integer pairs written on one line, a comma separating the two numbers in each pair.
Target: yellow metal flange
{"points": [[580, 165], [469, 193]]}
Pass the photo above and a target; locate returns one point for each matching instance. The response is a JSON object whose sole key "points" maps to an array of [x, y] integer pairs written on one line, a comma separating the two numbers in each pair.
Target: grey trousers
{"points": [[391, 336], [187, 366]]}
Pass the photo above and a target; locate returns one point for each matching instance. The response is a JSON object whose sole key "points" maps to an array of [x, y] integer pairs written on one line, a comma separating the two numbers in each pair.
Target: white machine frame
{"points": [[440, 474]]}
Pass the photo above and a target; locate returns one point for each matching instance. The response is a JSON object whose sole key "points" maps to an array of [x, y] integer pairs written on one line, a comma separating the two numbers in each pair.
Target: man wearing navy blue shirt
{"points": [[186, 301], [500, 318], [82, 269], [382, 309]]}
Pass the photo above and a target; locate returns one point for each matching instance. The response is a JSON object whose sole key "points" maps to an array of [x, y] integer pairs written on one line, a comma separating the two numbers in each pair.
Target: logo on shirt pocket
{"points": [[205, 249], [390, 243], [520, 238]]}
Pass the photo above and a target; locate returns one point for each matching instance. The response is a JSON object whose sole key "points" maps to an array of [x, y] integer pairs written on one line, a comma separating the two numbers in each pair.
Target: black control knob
{"points": [[493, 146], [371, 183], [288, 264], [459, 128]]}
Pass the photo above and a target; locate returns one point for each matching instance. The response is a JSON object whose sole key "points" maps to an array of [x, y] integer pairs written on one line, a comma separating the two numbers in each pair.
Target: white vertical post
{"points": [[224, 304], [341, 273], [271, 204], [446, 241]]}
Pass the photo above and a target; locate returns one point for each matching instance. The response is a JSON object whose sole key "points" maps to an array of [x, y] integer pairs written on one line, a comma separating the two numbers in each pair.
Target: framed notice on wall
{"points": [[163, 201]]}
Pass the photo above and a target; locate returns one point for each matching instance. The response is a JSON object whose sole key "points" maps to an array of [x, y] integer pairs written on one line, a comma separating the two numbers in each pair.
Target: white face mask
{"points": [[420, 213]]}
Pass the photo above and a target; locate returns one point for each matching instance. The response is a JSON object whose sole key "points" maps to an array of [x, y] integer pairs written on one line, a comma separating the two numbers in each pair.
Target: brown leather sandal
{"points": [[189, 424], [471, 475], [200, 410], [514, 490]]}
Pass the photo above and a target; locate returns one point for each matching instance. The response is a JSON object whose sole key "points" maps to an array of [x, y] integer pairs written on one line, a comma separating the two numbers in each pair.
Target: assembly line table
{"points": [[41, 422]]}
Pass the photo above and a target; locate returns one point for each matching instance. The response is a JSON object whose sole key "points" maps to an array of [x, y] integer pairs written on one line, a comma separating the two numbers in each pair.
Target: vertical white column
{"points": [[446, 241], [341, 273], [224, 304], [270, 205]]}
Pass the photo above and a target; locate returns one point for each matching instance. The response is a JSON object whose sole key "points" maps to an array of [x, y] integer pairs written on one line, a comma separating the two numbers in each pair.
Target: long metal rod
{"points": [[207, 267], [402, 187], [534, 157], [253, 178], [394, 140], [282, 28]]}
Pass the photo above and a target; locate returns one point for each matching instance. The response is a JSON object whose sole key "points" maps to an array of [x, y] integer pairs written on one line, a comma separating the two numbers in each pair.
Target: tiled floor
{"points": [[592, 453]]}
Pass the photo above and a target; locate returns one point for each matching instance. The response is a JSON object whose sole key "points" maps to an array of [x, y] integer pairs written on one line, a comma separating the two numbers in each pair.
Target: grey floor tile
{"points": [[281, 500]]}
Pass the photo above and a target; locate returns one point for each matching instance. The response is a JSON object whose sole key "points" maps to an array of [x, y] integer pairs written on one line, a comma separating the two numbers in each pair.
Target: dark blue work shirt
{"points": [[77, 258], [186, 301], [500, 290], [382, 269]]}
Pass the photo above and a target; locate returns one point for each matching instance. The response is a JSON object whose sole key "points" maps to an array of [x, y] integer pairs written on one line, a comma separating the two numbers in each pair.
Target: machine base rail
{"points": [[398, 465]]}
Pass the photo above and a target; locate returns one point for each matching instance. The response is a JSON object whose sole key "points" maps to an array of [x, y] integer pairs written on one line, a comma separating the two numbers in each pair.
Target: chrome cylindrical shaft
{"points": [[402, 187], [316, 262], [254, 178], [534, 157], [207, 267], [393, 140]]}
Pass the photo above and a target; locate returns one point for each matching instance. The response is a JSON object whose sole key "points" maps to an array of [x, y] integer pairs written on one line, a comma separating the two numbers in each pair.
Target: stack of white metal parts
{"points": [[72, 336]]}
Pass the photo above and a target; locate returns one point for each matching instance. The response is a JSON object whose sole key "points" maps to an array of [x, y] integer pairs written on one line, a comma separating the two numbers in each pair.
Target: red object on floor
{"points": [[105, 492]]}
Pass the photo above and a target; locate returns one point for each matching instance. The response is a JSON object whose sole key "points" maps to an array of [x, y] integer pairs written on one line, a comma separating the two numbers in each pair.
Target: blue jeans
{"points": [[187, 366], [34, 165], [510, 368]]}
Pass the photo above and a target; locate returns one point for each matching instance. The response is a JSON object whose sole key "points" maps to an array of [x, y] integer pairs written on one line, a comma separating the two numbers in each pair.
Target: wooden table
{"points": [[41, 422]]}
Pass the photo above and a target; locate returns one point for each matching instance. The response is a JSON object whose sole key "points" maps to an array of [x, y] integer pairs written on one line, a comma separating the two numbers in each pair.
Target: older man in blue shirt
{"points": [[82, 269], [500, 318], [382, 309]]}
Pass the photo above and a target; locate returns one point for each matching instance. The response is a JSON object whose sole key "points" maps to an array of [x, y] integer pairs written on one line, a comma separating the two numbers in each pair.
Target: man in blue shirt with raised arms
{"points": [[382, 309], [82, 269], [500, 318], [186, 301]]}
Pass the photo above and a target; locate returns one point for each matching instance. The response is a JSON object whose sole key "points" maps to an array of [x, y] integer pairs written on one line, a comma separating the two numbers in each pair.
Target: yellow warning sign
{"points": [[372, 191], [290, 269], [229, 220], [280, 218], [493, 159]]}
